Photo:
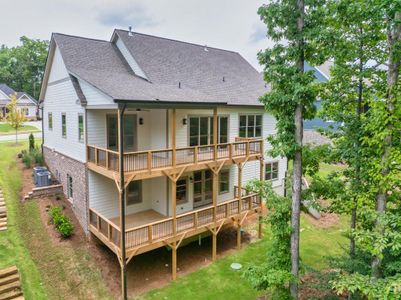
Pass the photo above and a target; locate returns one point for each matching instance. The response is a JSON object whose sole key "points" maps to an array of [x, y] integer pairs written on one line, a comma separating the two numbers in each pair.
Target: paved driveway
{"points": [[24, 136]]}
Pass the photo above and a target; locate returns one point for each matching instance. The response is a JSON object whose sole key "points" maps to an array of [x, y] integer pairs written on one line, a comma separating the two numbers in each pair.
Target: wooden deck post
{"points": [[214, 246], [238, 236], [261, 166], [239, 187], [174, 247], [122, 202], [215, 133]]}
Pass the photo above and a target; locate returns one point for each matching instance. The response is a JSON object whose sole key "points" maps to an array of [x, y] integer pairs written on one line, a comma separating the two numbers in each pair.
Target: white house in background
{"points": [[194, 133], [26, 103]]}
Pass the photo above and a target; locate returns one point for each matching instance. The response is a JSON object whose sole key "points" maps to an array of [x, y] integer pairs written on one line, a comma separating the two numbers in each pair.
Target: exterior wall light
{"points": [[140, 121], [184, 121]]}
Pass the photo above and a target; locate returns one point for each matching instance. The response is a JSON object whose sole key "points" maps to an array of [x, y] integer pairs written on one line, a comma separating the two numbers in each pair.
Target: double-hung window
{"points": [[224, 181], [134, 192], [250, 126], [63, 125], [271, 170], [50, 120], [70, 193], [81, 127]]}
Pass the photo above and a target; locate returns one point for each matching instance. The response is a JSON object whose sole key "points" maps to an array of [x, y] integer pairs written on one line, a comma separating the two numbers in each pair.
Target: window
{"points": [[69, 187], [80, 127], [224, 181], [24, 111], [129, 132], [250, 126], [63, 125], [201, 130], [271, 170], [181, 192], [134, 192], [50, 121]]}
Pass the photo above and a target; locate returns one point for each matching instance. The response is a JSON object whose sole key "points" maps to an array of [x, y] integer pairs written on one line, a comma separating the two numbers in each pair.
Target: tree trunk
{"points": [[297, 172], [16, 136], [394, 38], [359, 110]]}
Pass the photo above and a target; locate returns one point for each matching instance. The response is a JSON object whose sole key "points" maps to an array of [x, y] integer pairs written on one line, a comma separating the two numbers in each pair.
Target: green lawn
{"points": [[6, 129], [13, 250], [48, 270]]}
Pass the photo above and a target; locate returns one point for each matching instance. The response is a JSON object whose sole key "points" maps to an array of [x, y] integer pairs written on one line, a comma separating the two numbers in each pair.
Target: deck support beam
{"points": [[238, 236], [121, 184]]}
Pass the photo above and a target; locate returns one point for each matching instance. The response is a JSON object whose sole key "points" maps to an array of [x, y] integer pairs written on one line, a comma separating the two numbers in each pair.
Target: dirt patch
{"points": [[313, 287], [326, 220]]}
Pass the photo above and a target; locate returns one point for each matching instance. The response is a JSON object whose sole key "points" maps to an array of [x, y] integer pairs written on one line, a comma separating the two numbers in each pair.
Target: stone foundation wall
{"points": [[60, 165], [50, 190]]}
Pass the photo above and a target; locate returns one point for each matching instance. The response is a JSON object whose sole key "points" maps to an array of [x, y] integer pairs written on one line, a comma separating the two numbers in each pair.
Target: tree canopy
{"points": [[22, 67]]}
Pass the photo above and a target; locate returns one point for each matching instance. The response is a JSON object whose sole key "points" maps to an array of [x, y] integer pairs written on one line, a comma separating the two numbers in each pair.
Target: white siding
{"points": [[103, 196], [61, 98], [95, 97], [58, 70]]}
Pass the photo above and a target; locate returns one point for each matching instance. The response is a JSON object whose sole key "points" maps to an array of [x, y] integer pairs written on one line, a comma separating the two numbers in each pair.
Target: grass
{"points": [[48, 270], [218, 281], [6, 129], [13, 250]]}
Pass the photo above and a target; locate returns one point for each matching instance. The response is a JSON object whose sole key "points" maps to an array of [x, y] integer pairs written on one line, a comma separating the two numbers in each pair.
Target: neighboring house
{"points": [[322, 74], [193, 135], [26, 103]]}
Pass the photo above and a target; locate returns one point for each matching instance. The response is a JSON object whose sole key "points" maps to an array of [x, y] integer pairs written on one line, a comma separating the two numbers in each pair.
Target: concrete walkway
{"points": [[24, 136]]}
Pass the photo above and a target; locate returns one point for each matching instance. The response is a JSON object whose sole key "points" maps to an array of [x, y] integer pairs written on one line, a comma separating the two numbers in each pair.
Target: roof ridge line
{"points": [[80, 37], [179, 41]]}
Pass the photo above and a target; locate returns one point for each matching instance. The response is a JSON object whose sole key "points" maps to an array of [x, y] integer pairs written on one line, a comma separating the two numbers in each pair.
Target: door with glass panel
{"points": [[129, 132], [201, 130], [203, 188]]}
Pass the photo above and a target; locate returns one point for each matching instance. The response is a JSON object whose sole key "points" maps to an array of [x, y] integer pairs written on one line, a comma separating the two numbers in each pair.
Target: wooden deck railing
{"points": [[158, 159], [163, 229]]}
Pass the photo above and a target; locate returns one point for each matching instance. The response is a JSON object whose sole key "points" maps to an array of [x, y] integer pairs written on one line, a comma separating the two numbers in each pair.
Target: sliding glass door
{"points": [[203, 188]]}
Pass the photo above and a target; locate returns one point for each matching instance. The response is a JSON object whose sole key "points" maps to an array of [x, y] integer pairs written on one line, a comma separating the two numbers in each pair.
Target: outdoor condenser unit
{"points": [[44, 179], [36, 171]]}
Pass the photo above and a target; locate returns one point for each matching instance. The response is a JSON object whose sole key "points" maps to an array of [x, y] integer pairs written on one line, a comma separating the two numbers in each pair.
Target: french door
{"points": [[130, 142], [203, 188]]}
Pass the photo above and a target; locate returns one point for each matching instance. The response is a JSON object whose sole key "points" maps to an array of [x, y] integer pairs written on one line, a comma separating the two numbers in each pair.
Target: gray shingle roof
{"points": [[166, 63], [6, 89]]}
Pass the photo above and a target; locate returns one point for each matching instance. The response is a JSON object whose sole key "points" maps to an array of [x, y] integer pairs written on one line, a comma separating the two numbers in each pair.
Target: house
{"points": [[171, 129], [25, 102], [322, 74]]}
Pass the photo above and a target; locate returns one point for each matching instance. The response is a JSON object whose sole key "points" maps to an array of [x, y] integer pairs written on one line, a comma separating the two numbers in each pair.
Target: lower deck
{"points": [[148, 230]]}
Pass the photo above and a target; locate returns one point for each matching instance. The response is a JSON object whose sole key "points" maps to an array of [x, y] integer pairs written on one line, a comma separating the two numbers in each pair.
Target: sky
{"points": [[227, 24]]}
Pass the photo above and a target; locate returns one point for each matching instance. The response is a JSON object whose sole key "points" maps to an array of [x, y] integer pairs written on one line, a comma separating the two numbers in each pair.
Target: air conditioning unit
{"points": [[44, 179], [36, 171]]}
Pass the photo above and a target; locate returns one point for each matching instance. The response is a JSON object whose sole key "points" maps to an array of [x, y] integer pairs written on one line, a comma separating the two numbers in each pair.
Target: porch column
{"points": [[123, 262], [174, 136], [214, 186]]}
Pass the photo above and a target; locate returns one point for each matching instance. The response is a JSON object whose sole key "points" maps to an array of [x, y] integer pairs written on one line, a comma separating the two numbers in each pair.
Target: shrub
{"points": [[27, 160], [37, 156], [61, 222], [31, 142]]}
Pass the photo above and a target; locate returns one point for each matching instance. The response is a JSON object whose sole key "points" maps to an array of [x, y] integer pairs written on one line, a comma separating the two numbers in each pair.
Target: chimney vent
{"points": [[130, 30], [206, 49]]}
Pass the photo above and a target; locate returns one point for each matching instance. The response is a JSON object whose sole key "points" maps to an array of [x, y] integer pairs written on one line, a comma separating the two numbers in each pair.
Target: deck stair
{"points": [[3, 213], [10, 284]]}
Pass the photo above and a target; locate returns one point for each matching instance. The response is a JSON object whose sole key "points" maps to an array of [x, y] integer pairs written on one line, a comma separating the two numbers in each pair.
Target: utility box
{"points": [[44, 179], [36, 171]]}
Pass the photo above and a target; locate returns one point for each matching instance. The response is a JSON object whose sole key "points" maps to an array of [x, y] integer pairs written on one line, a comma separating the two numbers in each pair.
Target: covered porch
{"points": [[148, 230]]}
